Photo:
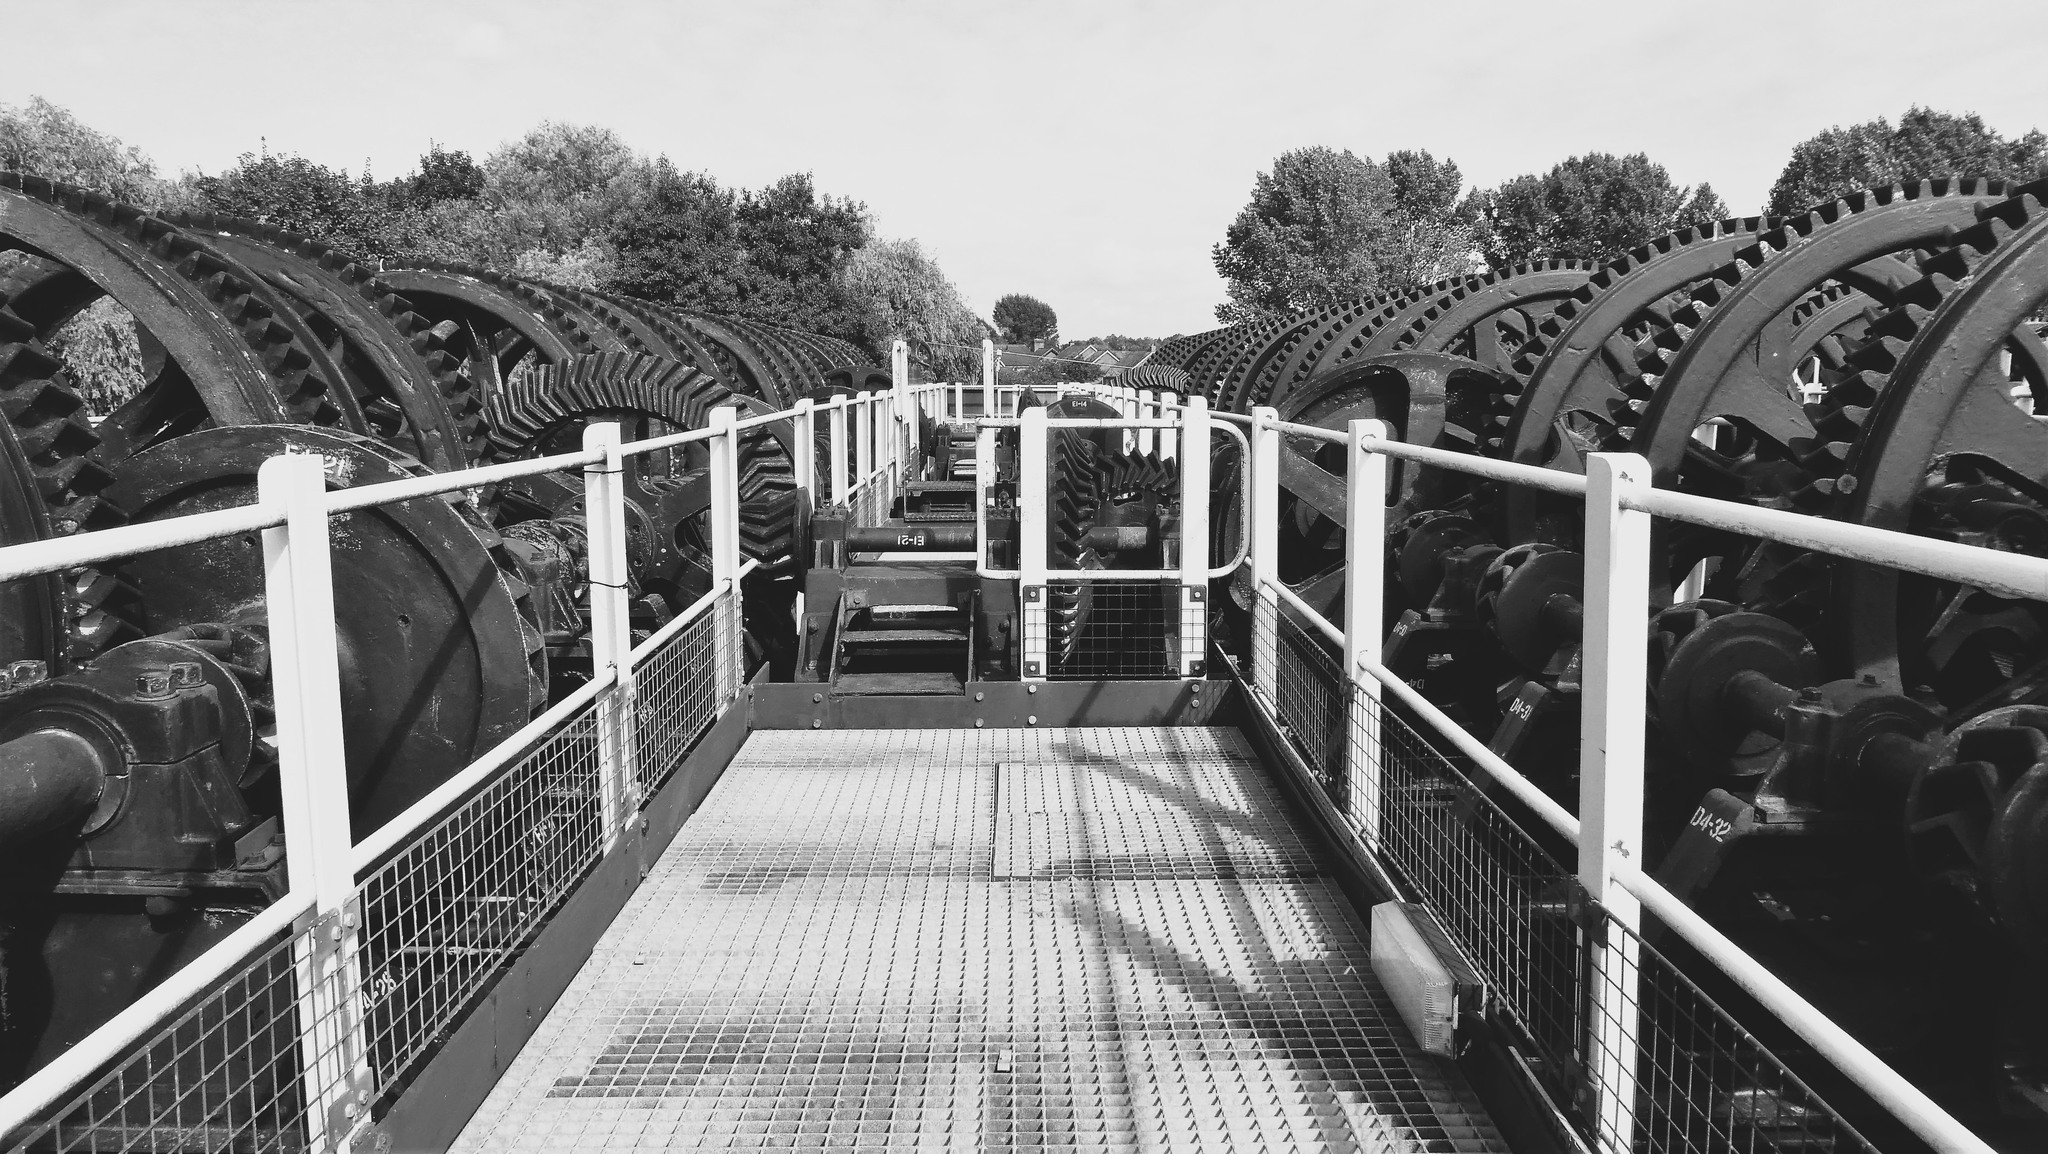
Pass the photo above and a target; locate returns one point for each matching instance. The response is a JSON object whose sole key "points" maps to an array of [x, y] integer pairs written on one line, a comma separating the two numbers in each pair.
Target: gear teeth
{"points": [[523, 416], [47, 423]]}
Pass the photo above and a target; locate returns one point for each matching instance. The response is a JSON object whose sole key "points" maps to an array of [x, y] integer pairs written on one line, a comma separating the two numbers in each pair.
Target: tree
{"points": [[555, 194], [444, 175], [1424, 187], [1023, 319], [44, 140], [778, 255], [904, 295], [1434, 235], [298, 195], [98, 346], [1593, 207], [1925, 143], [1308, 236], [796, 245], [1326, 226], [678, 242], [1123, 344]]}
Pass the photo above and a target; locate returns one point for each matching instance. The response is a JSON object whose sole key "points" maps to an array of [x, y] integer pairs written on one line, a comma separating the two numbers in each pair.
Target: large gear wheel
{"points": [[500, 326], [220, 348], [546, 411], [430, 602], [1978, 820], [231, 352], [668, 494], [1579, 357], [1931, 438], [1070, 496], [411, 390]]}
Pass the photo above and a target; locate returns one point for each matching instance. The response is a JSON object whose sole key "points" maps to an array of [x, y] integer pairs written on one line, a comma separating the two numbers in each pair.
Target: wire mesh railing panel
{"points": [[1506, 900], [444, 913], [1309, 696], [1113, 629], [872, 499], [224, 1075], [1698, 1081], [677, 691]]}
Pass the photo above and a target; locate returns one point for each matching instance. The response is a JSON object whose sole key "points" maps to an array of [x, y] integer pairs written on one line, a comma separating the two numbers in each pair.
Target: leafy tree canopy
{"points": [[444, 175], [1325, 226], [678, 241], [1122, 344], [1023, 319], [1593, 207], [46, 140], [907, 297], [294, 193], [1925, 143]]}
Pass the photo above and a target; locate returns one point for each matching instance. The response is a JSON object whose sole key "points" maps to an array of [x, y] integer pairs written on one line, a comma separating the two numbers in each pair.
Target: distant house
{"points": [[1107, 362]]}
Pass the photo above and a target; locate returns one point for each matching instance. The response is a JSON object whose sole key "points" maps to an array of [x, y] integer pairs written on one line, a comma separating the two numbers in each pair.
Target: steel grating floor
{"points": [[1014, 939]]}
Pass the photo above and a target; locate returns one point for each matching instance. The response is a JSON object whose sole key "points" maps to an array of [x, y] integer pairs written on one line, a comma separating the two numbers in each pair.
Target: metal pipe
{"points": [[1757, 701], [48, 778], [943, 536]]}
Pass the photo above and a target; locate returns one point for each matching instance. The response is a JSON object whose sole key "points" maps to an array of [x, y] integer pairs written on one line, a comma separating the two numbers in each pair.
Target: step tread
{"points": [[901, 635], [897, 684]]}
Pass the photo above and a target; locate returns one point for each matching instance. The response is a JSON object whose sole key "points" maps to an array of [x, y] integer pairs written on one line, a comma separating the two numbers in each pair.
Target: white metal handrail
{"points": [[2012, 574], [1608, 828], [1608, 858], [292, 509]]}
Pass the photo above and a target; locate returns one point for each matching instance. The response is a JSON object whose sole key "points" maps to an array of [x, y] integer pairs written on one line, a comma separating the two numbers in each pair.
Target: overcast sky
{"points": [[1087, 153]]}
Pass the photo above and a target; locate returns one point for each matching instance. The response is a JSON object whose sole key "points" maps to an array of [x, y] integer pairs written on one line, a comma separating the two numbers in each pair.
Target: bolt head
{"points": [[978, 696], [1031, 720], [1031, 689]]}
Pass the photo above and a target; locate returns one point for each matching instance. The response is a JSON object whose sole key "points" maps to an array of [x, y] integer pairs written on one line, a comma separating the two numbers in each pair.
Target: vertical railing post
{"points": [[725, 549], [1194, 541], [1365, 573], [1127, 403], [984, 488], [1032, 527], [959, 401], [988, 377], [806, 486], [1169, 439], [313, 788], [807, 453], [864, 448], [611, 638], [905, 406], [1617, 584], [836, 416], [888, 445], [1148, 409], [1262, 478]]}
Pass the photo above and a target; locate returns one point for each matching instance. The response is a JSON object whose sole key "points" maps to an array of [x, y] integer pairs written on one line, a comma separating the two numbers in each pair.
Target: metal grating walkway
{"points": [[881, 939]]}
